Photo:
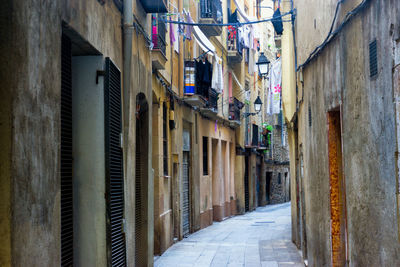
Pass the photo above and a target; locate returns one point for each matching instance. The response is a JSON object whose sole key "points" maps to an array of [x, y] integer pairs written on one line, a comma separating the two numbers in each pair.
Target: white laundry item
{"points": [[252, 54], [176, 43], [275, 78], [251, 38], [214, 80], [217, 82], [220, 78], [246, 39]]}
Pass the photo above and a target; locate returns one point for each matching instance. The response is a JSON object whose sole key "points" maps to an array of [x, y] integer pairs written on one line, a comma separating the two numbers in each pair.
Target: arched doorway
{"points": [[141, 180]]}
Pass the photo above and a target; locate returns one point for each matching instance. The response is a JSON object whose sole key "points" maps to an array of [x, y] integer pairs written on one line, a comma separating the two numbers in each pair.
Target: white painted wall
{"points": [[88, 162]]}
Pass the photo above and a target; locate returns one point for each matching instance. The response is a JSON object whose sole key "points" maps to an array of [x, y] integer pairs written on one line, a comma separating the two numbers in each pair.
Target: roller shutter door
{"points": [[246, 184], [186, 194]]}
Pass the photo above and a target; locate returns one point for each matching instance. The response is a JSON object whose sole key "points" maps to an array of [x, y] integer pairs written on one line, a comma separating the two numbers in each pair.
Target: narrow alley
{"points": [[202, 133], [258, 238]]}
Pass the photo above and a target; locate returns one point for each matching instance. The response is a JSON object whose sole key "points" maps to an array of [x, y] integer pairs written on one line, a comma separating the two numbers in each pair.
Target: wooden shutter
{"points": [[66, 155], [114, 166]]}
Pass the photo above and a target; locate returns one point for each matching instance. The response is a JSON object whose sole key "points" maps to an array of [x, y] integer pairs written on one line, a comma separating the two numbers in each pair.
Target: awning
{"points": [[242, 13], [237, 81], [203, 41]]}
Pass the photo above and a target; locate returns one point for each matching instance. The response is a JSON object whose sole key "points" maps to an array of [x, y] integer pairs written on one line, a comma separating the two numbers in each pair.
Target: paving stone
{"points": [[259, 238]]}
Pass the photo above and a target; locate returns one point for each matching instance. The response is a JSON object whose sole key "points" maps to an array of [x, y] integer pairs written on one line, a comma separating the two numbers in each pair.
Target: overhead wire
{"points": [[332, 34], [237, 24]]}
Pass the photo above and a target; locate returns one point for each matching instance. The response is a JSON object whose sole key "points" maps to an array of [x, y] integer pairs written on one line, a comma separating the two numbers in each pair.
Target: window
{"points": [[165, 140], [279, 178], [255, 135], [205, 155]]}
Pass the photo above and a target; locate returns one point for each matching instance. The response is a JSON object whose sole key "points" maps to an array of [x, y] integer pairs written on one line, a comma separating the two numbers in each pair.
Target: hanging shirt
{"points": [[189, 28]]}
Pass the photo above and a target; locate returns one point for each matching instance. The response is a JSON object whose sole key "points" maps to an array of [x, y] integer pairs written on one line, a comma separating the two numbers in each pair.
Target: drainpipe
{"points": [[127, 57]]}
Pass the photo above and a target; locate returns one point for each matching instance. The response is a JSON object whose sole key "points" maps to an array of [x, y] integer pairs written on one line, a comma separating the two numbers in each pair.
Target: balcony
{"points": [[154, 6], [234, 112], [211, 104], [199, 95], [158, 56], [211, 13], [234, 51]]}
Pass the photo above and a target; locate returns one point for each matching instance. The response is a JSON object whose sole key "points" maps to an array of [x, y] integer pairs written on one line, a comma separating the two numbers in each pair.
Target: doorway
{"points": [[337, 190], [141, 181], [268, 179], [246, 184]]}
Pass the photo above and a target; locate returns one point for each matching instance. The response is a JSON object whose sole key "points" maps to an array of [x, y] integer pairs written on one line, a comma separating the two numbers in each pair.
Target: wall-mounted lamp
{"points": [[257, 107]]}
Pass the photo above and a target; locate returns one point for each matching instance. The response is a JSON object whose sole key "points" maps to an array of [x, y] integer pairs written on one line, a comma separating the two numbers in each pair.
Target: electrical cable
{"points": [[331, 35], [237, 24]]}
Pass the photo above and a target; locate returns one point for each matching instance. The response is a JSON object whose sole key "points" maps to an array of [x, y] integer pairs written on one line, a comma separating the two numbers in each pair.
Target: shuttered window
{"points": [[66, 155], [114, 166], [165, 140], [205, 155]]}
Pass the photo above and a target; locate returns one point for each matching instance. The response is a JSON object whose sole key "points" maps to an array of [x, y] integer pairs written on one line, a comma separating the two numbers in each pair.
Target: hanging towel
{"points": [[252, 54], [220, 78], [217, 76], [214, 82], [176, 44], [275, 79], [171, 34]]}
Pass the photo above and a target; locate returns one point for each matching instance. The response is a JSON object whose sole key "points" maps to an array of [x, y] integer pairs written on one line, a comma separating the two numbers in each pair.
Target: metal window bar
{"points": [[234, 112], [211, 9], [212, 102], [158, 33]]}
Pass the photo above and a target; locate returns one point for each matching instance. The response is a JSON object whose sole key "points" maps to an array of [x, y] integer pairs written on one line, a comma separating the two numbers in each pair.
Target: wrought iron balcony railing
{"points": [[211, 9], [234, 109], [158, 34], [212, 102]]}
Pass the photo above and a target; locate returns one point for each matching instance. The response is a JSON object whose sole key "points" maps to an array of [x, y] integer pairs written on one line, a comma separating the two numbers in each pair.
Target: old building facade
{"points": [[341, 107], [109, 155]]}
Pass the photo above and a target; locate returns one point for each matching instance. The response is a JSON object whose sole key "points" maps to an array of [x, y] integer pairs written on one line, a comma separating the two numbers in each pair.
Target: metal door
{"points": [[186, 194], [114, 166]]}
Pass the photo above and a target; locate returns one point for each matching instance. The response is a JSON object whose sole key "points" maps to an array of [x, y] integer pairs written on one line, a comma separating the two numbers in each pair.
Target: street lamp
{"points": [[257, 107], [263, 64], [257, 104]]}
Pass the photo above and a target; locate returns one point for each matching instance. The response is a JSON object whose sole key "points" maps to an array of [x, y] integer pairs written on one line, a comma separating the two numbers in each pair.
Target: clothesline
{"points": [[236, 24]]}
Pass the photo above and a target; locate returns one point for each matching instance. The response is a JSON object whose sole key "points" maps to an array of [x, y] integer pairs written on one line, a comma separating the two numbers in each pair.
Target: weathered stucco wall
{"points": [[339, 79], [32, 133], [7, 85]]}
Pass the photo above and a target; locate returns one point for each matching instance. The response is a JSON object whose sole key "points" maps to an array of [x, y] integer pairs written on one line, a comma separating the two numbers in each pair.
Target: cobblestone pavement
{"points": [[259, 238]]}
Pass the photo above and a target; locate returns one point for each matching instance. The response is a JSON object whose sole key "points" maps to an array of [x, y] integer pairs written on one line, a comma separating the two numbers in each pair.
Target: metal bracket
{"points": [[99, 73]]}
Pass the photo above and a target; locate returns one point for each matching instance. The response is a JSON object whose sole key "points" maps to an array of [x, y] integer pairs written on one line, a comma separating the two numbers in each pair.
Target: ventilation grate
{"points": [[309, 116], [373, 59]]}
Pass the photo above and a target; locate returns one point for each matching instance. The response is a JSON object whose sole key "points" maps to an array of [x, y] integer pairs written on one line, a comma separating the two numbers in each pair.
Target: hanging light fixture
{"points": [[257, 104], [263, 64]]}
